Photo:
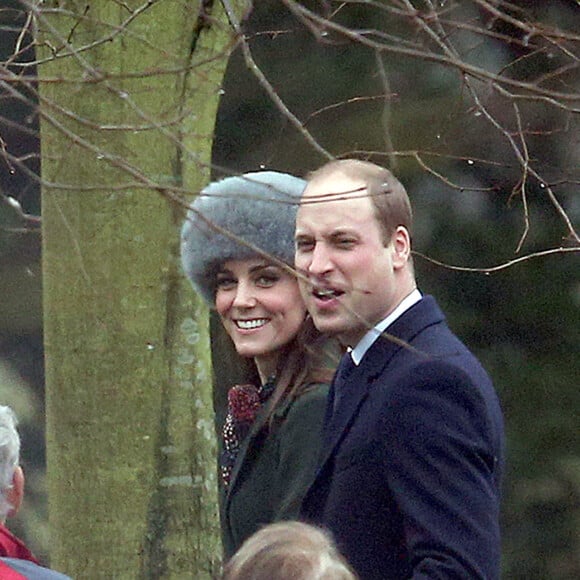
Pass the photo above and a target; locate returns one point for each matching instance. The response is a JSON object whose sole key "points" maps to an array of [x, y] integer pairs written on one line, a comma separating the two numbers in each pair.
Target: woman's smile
{"points": [[260, 307], [251, 323]]}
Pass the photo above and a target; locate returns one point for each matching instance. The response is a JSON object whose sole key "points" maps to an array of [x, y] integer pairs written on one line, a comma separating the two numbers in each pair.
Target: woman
{"points": [[237, 245]]}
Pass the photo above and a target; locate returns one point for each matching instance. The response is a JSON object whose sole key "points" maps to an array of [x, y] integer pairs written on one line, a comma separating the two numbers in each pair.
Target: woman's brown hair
{"points": [[309, 358]]}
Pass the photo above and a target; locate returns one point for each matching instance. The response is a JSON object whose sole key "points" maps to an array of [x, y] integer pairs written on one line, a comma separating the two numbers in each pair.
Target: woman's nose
{"points": [[245, 296]]}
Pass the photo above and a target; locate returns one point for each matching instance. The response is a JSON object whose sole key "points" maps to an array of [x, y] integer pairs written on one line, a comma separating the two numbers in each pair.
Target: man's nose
{"points": [[321, 262]]}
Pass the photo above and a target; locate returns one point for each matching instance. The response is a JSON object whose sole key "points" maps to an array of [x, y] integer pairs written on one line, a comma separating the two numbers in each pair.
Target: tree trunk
{"points": [[128, 93]]}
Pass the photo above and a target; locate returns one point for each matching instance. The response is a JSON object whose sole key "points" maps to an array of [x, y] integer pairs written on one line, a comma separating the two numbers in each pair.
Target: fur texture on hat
{"points": [[259, 208]]}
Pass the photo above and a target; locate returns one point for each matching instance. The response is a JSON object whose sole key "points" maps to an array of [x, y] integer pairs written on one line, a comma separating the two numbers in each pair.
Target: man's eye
{"points": [[344, 243], [304, 245]]}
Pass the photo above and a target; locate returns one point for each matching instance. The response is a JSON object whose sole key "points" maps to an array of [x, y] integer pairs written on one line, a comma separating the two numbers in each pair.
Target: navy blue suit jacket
{"points": [[409, 478]]}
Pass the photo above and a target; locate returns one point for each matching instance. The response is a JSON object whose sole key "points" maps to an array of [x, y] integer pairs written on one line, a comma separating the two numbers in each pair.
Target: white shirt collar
{"points": [[371, 336]]}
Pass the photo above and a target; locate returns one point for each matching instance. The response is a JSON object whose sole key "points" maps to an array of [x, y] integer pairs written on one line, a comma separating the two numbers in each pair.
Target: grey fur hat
{"points": [[259, 208]]}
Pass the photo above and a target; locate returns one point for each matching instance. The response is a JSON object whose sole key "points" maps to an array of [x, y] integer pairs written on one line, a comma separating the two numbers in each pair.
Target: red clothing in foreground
{"points": [[12, 547], [17, 562]]}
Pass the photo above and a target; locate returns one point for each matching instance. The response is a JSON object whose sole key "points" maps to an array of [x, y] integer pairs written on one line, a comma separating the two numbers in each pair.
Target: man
{"points": [[16, 560], [410, 471]]}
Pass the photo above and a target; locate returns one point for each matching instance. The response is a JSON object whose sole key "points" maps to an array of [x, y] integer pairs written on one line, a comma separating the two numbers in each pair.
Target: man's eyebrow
{"points": [[327, 235], [341, 232]]}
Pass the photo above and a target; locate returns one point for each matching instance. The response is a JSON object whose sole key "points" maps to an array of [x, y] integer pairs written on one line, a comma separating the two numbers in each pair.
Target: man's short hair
{"points": [[388, 196], [9, 455]]}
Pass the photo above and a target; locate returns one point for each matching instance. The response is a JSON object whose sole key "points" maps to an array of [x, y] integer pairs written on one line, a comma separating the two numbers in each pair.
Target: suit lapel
{"points": [[358, 384], [337, 422], [355, 390]]}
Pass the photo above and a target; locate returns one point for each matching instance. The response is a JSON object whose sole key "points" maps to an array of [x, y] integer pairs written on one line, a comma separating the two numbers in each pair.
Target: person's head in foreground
{"points": [[288, 551], [11, 476], [16, 560], [353, 247]]}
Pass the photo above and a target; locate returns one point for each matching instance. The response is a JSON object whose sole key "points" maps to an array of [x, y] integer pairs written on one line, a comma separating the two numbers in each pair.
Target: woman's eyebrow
{"points": [[224, 272], [264, 266]]}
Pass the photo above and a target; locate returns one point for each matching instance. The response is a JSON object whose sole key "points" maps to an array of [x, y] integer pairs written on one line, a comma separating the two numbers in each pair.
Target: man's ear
{"points": [[15, 494], [401, 241]]}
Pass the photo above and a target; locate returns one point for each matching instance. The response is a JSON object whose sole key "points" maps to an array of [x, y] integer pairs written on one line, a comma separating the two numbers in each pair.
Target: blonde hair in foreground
{"points": [[288, 551]]}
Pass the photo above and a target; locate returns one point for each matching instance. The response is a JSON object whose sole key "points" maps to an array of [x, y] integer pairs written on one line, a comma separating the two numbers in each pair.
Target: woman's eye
{"points": [[225, 283], [267, 281]]}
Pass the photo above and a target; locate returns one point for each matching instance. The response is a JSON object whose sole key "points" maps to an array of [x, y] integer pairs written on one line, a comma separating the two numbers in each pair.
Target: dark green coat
{"points": [[274, 468]]}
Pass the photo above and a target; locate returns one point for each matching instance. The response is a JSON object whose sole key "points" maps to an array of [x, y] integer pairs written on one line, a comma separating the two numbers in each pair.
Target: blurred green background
{"points": [[523, 321]]}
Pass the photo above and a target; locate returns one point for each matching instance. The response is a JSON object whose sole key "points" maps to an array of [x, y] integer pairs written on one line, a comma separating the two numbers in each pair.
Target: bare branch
{"points": [[503, 266], [253, 67]]}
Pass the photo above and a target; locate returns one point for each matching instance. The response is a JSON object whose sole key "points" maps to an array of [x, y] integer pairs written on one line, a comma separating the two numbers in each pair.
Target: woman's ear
{"points": [[401, 241], [15, 494]]}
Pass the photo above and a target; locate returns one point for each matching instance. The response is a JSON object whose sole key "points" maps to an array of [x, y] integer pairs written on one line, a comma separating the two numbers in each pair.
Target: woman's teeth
{"points": [[249, 324]]}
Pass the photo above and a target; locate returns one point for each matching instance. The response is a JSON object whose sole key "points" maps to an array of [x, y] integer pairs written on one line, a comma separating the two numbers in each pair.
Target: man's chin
{"points": [[327, 326]]}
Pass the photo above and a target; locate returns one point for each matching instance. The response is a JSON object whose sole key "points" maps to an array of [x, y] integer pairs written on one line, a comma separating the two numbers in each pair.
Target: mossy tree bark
{"points": [[129, 92]]}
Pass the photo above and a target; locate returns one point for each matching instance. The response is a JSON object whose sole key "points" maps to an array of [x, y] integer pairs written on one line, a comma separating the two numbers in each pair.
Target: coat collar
{"points": [[357, 387], [246, 446], [12, 547]]}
